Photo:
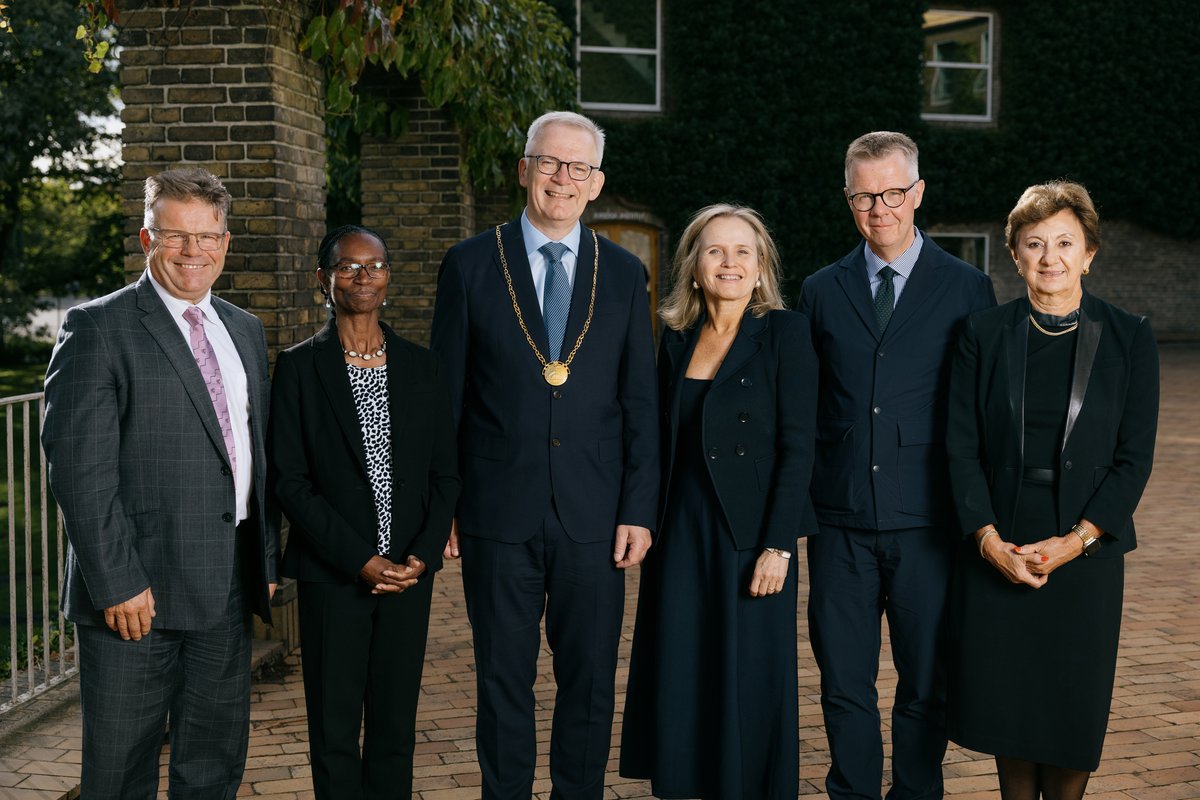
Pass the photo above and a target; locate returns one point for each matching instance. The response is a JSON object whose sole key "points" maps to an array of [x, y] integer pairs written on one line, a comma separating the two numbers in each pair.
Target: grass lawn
{"points": [[21, 379]]}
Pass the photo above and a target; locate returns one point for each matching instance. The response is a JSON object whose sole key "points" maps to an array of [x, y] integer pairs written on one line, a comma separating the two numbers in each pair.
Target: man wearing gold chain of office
{"points": [[543, 330]]}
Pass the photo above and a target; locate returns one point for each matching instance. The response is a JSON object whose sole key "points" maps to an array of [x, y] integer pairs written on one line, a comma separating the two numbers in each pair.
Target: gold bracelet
{"points": [[775, 551], [984, 538]]}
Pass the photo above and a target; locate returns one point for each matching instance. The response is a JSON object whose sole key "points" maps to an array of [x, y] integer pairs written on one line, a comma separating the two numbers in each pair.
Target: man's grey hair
{"points": [[186, 183], [565, 118], [881, 144]]}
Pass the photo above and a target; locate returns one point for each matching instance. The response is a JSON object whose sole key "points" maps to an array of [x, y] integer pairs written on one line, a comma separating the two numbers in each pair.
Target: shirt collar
{"points": [[535, 238], [903, 264], [176, 306]]}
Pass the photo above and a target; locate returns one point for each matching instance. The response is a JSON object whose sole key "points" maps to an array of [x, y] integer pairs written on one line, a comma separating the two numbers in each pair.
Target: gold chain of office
{"points": [[554, 373]]}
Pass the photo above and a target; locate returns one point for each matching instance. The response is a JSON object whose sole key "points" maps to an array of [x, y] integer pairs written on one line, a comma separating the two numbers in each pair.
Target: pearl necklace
{"points": [[368, 356]]}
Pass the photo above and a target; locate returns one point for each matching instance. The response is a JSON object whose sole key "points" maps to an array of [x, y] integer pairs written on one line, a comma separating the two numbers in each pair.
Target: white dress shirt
{"points": [[537, 262], [233, 376]]}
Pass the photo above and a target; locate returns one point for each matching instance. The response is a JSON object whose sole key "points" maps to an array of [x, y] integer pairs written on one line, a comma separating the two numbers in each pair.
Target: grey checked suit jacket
{"points": [[139, 467]]}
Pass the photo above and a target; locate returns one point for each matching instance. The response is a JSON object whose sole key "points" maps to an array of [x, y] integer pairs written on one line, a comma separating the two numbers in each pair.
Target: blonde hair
{"points": [[685, 304], [1044, 200]]}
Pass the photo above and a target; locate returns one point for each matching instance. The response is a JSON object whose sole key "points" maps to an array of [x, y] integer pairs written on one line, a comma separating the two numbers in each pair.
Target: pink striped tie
{"points": [[211, 370]]}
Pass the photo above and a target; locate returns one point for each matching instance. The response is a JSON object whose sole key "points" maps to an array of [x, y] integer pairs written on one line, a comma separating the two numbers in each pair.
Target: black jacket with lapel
{"points": [[320, 461], [759, 416], [1107, 448]]}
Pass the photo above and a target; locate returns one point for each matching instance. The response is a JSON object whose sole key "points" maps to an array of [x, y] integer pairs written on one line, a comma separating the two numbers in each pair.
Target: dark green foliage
{"points": [[1099, 91], [761, 100], [59, 224]]}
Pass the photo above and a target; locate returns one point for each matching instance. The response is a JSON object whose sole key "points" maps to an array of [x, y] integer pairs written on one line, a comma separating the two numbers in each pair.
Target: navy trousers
{"points": [[855, 577], [507, 587]]}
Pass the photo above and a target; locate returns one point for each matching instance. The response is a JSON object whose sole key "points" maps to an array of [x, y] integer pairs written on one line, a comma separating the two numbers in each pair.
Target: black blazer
{"points": [[320, 462], [881, 412], [1108, 444], [589, 446], [759, 420]]}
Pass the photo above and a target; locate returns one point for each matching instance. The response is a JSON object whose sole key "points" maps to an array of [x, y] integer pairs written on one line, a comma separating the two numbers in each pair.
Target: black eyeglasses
{"points": [[177, 240], [892, 198], [549, 165], [349, 269]]}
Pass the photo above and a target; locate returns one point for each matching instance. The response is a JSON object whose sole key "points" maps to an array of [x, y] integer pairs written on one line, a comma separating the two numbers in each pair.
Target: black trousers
{"points": [[507, 587], [201, 679], [856, 576], [362, 656]]}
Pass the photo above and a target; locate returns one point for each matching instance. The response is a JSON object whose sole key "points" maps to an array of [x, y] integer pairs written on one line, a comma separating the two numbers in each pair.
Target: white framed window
{"points": [[619, 54], [958, 65], [971, 247]]}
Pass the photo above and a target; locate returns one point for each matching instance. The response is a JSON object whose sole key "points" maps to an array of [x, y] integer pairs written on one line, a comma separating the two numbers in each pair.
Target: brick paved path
{"points": [[1152, 751]]}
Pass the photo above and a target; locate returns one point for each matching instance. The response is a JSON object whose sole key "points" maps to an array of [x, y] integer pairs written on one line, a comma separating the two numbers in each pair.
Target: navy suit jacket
{"points": [[1107, 447], [590, 445], [139, 467], [758, 426], [881, 411]]}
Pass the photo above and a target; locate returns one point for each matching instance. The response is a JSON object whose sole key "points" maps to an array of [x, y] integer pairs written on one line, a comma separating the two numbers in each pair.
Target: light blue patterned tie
{"points": [[556, 297]]}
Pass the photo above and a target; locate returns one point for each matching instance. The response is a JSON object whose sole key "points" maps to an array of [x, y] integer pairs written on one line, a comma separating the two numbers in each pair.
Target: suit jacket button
{"points": [[874, 468], [743, 416], [1067, 465], [225, 471], [556, 394], [740, 450], [712, 454], [227, 517], [882, 354], [555, 443], [747, 382]]}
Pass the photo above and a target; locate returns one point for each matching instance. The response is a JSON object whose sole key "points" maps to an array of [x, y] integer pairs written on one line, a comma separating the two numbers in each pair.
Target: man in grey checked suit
{"points": [[156, 404]]}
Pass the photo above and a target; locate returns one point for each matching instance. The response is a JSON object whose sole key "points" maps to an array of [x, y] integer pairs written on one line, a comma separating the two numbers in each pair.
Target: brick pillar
{"points": [[412, 193], [220, 84]]}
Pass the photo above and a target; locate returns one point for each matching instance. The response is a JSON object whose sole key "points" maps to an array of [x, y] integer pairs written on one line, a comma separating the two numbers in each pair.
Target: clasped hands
{"points": [[388, 577], [1031, 564]]}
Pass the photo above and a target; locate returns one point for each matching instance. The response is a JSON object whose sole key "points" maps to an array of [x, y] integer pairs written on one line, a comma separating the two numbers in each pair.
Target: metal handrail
{"points": [[36, 674]]}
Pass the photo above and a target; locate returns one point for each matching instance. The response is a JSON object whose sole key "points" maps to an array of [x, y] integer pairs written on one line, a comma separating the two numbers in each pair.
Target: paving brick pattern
{"points": [[1152, 751]]}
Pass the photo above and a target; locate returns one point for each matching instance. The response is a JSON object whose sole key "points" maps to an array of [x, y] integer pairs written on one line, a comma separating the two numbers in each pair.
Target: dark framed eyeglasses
{"points": [[349, 269], [892, 198], [177, 240], [549, 165]]}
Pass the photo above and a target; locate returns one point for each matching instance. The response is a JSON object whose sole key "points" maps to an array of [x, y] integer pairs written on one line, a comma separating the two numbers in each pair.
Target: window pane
{"points": [[617, 78], [617, 23], [971, 249], [956, 36], [951, 90]]}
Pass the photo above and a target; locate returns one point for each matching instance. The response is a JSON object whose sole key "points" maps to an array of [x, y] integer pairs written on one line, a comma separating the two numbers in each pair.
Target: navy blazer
{"points": [[759, 418], [320, 461], [589, 446], [881, 412], [138, 463], [1107, 448]]}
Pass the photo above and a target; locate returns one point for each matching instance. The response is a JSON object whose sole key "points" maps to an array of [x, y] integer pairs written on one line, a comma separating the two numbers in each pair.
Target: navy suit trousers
{"points": [[856, 576]]}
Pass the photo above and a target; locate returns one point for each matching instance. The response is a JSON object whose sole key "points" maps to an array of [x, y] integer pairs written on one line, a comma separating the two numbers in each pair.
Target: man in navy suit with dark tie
{"points": [[884, 318], [544, 332]]}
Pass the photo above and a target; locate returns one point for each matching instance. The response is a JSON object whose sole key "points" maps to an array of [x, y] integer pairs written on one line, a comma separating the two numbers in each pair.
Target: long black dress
{"points": [[1034, 668], [711, 707]]}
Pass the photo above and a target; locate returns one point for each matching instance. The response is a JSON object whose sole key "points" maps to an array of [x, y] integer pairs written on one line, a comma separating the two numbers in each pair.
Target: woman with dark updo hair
{"points": [[362, 445]]}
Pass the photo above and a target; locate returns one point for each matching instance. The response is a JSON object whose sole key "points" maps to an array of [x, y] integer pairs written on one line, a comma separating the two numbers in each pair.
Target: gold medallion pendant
{"points": [[556, 373]]}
